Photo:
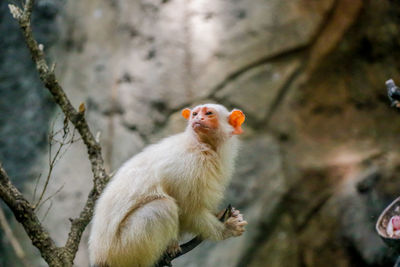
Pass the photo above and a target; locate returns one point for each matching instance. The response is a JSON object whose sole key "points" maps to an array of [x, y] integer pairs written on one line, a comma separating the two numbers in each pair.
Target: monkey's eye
{"points": [[209, 113], [194, 114]]}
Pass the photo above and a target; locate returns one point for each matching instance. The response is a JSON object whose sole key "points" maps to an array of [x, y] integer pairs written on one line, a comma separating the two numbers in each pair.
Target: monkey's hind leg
{"points": [[145, 234]]}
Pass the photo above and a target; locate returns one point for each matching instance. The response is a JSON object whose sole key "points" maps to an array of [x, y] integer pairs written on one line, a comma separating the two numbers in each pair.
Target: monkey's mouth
{"points": [[197, 125]]}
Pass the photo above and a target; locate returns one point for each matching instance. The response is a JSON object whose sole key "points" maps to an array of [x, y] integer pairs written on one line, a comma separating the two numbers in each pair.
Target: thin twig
{"points": [[36, 187], [51, 166], [57, 156], [47, 211], [51, 196]]}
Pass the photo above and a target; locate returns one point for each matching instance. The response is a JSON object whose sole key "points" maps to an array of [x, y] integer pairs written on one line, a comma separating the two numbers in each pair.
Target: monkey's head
{"points": [[213, 122]]}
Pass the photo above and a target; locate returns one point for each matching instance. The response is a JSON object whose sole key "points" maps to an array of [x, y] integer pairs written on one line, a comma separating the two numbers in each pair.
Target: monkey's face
{"points": [[213, 123], [204, 121]]}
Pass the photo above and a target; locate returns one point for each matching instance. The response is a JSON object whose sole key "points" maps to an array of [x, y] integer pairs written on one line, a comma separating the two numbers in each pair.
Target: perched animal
{"points": [[170, 188]]}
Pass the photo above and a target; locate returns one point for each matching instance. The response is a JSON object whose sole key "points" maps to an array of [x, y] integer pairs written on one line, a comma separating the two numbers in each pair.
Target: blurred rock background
{"points": [[319, 159]]}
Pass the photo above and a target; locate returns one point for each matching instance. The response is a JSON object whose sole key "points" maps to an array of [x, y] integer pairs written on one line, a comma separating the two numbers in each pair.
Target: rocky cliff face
{"points": [[319, 157]]}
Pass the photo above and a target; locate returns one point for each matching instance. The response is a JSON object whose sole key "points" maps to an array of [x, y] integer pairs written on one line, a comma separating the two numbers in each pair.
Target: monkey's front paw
{"points": [[235, 224], [173, 249]]}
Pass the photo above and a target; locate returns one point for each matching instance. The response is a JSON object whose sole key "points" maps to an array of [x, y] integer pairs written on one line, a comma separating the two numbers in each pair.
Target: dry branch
{"points": [[59, 152], [25, 214], [22, 209]]}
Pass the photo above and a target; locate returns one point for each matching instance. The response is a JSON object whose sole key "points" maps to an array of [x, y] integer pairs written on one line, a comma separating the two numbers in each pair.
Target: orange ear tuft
{"points": [[236, 118], [186, 113]]}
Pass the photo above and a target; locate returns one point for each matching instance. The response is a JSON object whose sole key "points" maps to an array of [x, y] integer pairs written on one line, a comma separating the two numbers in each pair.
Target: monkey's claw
{"points": [[173, 249], [235, 224]]}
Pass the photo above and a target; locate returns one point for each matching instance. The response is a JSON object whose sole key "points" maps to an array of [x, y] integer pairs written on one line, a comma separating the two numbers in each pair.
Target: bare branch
{"points": [[47, 211], [36, 187], [13, 197], [50, 197], [59, 153], [52, 161], [25, 214]]}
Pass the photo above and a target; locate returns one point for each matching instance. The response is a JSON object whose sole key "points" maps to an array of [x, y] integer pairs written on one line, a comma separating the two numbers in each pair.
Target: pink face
{"points": [[204, 120]]}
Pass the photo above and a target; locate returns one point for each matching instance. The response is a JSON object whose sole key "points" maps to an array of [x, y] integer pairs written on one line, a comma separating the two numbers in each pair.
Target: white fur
{"points": [[186, 180]]}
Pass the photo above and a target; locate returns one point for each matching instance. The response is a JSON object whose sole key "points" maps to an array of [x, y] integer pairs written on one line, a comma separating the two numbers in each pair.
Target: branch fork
{"points": [[22, 209]]}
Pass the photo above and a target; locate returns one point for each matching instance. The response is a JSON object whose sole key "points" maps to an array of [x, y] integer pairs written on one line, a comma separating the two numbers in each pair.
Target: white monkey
{"points": [[170, 188]]}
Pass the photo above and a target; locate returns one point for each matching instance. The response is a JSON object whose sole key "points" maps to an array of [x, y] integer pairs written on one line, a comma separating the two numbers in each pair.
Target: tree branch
{"points": [[25, 214], [19, 205]]}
